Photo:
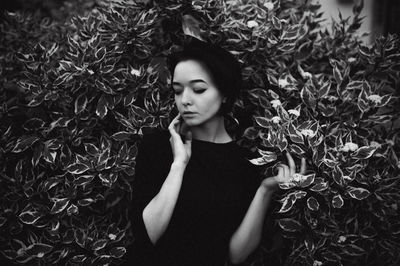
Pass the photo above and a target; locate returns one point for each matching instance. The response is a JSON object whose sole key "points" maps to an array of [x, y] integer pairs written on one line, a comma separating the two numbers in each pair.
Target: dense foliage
{"points": [[78, 92]]}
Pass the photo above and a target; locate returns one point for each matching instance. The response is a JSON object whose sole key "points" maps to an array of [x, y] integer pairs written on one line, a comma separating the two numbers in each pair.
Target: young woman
{"points": [[197, 198]]}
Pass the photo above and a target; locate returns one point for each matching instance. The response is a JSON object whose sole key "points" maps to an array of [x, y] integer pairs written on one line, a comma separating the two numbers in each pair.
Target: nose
{"points": [[186, 97]]}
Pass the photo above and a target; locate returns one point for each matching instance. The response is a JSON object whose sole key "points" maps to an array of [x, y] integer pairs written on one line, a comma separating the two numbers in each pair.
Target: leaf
{"points": [[296, 149], [324, 90], [138, 111], [85, 202], [49, 156], [191, 26], [59, 205], [337, 201], [121, 136], [290, 225], [24, 143], [312, 204], [307, 180], [38, 250], [83, 180], [77, 168], [319, 187], [288, 202], [358, 193], [101, 109], [33, 124], [294, 32], [308, 97], [78, 258], [295, 135], [262, 121], [364, 152], [29, 216], [72, 209], [91, 149], [353, 250], [331, 256], [100, 54], [370, 232], [80, 237], [337, 75], [117, 252], [80, 103], [276, 23], [129, 98], [99, 244], [251, 133], [337, 175]]}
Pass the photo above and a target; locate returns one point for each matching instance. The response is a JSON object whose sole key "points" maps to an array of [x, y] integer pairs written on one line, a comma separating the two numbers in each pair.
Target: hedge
{"points": [[79, 91]]}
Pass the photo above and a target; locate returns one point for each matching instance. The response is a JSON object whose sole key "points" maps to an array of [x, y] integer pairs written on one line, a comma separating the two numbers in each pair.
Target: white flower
{"points": [[342, 239], [276, 103], [283, 83], [375, 144], [375, 98], [269, 5], [351, 60], [298, 177], [349, 146], [252, 24], [307, 132], [112, 236], [347, 178], [135, 72], [294, 112], [40, 255], [276, 119], [317, 263], [306, 75]]}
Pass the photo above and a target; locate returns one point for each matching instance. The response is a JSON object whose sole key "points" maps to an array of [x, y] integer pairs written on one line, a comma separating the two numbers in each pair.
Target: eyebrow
{"points": [[192, 81]]}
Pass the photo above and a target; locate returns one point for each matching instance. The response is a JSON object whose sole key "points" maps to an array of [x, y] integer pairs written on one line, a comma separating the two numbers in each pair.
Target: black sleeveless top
{"points": [[218, 186]]}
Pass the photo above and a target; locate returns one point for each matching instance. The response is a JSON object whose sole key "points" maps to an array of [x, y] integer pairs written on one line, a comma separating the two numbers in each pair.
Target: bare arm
{"points": [[248, 236], [157, 214]]}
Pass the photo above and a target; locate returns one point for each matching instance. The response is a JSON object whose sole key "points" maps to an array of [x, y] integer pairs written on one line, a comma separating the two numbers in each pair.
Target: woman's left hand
{"points": [[285, 173]]}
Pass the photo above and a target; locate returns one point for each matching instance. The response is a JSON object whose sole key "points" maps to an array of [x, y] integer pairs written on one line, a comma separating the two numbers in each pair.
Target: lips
{"points": [[188, 113]]}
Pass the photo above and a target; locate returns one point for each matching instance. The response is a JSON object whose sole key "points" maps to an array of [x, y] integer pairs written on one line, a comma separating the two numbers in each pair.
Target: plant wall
{"points": [[79, 91]]}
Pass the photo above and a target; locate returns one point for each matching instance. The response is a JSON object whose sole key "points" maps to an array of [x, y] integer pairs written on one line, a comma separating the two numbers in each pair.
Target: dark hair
{"points": [[225, 70]]}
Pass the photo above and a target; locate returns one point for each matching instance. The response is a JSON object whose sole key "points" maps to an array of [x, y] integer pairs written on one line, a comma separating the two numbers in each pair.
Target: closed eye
{"points": [[199, 90]]}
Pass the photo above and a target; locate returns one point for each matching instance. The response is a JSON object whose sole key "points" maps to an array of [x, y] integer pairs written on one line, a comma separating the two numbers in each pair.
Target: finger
{"points": [[285, 173], [279, 176], [174, 121], [292, 165], [173, 126], [303, 166]]}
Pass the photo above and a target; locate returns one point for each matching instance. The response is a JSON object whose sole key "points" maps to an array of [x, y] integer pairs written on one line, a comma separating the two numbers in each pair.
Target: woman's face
{"points": [[196, 96]]}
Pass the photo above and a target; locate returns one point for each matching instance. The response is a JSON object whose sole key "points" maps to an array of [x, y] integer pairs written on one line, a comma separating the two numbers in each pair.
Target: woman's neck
{"points": [[212, 131]]}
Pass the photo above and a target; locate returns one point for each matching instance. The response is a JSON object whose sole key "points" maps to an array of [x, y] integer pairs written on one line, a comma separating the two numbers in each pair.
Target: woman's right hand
{"points": [[182, 150]]}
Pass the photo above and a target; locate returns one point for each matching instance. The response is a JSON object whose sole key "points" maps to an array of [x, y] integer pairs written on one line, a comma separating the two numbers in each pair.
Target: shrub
{"points": [[78, 94]]}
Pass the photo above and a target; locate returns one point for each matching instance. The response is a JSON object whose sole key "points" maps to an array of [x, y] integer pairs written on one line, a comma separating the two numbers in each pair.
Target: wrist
{"points": [[178, 164], [269, 185]]}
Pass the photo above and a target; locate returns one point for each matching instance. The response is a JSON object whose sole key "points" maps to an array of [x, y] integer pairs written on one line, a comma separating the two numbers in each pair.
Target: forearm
{"points": [[248, 236], [157, 214]]}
